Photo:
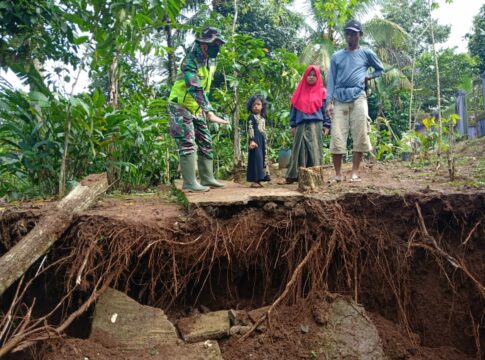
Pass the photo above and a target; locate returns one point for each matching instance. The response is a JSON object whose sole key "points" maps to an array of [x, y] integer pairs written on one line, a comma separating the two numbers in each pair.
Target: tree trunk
{"points": [[310, 179], [438, 88], [113, 90], [413, 73], [236, 115], [36, 243], [113, 82], [172, 66], [411, 125], [237, 130], [67, 131]]}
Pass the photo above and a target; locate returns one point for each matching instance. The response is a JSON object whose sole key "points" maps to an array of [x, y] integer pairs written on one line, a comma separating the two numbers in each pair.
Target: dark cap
{"points": [[353, 25], [209, 35]]}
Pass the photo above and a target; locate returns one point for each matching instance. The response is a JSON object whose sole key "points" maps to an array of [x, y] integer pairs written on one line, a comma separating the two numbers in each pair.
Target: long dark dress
{"points": [[258, 157]]}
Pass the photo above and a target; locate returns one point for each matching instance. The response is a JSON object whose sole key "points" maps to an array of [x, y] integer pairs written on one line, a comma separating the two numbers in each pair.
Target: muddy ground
{"points": [[406, 243]]}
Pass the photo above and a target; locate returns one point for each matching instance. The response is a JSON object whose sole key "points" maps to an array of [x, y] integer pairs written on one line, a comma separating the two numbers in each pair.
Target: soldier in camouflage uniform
{"points": [[189, 110]]}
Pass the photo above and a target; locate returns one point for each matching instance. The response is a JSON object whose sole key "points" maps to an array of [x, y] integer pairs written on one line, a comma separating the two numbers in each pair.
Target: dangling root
{"points": [[434, 248], [289, 285]]}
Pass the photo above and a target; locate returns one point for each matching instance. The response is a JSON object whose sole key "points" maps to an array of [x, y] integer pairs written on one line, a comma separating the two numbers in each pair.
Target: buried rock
{"points": [[349, 333], [200, 327], [122, 322]]}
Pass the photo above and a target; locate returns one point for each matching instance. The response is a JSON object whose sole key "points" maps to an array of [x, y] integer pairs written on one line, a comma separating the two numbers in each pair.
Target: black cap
{"points": [[353, 25], [210, 34]]}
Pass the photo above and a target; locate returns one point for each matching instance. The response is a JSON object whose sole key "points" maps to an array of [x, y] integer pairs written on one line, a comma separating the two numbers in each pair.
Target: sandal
{"points": [[355, 178], [335, 179], [256, 185], [287, 181]]}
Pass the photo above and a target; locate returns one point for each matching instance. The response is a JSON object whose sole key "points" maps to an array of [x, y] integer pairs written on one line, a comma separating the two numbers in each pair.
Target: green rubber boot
{"points": [[206, 172], [187, 165]]}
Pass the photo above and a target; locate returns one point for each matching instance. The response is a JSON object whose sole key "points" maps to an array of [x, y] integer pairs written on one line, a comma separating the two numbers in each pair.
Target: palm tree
{"points": [[388, 40]]}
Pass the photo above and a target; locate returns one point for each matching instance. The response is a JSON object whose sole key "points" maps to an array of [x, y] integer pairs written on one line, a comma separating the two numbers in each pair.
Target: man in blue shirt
{"points": [[347, 101]]}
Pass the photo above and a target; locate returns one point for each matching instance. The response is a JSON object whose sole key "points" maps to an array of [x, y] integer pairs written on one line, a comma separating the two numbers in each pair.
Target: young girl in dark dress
{"points": [[257, 152]]}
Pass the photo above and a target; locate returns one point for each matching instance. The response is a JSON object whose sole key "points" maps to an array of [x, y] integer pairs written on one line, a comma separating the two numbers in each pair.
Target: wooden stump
{"points": [[310, 179], [18, 259]]}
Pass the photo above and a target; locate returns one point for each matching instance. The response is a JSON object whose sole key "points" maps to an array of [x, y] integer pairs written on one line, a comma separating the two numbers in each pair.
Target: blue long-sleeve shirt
{"points": [[348, 69], [298, 117]]}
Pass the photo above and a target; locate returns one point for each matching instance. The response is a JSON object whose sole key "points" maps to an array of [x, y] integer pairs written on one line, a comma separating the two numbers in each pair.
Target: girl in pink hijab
{"points": [[308, 123]]}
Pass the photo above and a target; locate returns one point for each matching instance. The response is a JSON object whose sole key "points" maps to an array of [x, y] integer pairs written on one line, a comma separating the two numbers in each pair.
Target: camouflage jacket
{"points": [[194, 79]]}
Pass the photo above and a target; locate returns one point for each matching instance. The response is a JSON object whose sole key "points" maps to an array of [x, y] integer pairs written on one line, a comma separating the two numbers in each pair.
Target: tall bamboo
{"points": [[438, 88], [413, 71]]}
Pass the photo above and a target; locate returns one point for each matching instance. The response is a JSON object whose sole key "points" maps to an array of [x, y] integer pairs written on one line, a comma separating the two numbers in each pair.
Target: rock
{"points": [[289, 204], [256, 314], [213, 325], [234, 330], [261, 328], [204, 309], [239, 329], [232, 316], [244, 329], [299, 211], [305, 328], [320, 312], [122, 322], [349, 333], [239, 317], [270, 207]]}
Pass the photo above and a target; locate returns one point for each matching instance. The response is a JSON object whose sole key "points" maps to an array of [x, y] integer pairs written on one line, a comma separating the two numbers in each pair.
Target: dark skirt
{"points": [[307, 150], [257, 161]]}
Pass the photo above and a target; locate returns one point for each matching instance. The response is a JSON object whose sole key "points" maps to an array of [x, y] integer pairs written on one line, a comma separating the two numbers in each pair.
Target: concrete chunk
{"points": [[122, 322], [200, 327]]}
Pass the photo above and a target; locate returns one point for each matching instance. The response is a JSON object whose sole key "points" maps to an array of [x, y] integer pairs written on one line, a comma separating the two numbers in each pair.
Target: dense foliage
{"points": [[130, 50]]}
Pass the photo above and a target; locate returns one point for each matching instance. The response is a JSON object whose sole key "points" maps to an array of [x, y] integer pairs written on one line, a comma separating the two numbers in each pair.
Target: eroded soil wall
{"points": [[417, 260]]}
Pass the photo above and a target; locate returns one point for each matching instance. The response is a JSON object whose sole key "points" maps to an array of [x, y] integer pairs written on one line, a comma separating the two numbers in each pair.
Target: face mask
{"points": [[212, 51]]}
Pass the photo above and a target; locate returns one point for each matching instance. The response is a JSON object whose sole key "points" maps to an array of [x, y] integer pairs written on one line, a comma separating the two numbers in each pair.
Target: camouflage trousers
{"points": [[190, 132]]}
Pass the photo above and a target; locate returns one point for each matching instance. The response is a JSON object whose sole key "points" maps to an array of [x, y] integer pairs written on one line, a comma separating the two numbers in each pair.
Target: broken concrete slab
{"points": [[200, 327], [122, 322], [237, 194], [349, 333]]}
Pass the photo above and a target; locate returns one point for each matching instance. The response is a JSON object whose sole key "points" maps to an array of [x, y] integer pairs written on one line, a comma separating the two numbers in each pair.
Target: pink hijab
{"points": [[309, 98]]}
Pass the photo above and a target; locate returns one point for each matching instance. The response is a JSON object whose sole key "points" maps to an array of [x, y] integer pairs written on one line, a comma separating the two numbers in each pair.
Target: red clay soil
{"points": [[284, 340]]}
